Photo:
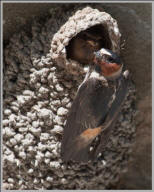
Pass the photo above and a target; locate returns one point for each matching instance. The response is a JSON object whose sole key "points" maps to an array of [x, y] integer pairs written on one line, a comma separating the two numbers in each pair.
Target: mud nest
{"points": [[39, 86]]}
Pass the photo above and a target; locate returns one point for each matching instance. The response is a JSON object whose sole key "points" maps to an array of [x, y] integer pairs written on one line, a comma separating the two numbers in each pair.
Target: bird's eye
{"points": [[110, 59]]}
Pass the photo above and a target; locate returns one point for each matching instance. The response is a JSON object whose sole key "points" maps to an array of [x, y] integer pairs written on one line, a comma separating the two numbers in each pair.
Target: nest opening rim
{"points": [[100, 28]]}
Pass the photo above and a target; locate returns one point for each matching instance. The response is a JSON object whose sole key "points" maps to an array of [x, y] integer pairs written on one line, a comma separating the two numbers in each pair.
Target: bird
{"points": [[82, 46], [96, 107]]}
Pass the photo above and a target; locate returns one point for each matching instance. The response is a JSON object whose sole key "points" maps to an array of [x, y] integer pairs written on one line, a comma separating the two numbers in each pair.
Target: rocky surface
{"points": [[32, 81]]}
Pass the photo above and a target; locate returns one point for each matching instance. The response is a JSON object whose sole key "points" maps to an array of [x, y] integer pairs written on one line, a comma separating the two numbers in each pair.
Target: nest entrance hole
{"points": [[82, 46]]}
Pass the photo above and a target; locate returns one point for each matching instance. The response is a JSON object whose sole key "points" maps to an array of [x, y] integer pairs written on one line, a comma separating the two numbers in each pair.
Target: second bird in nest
{"points": [[82, 47]]}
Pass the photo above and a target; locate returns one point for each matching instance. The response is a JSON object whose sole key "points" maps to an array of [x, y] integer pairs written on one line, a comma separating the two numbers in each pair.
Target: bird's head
{"points": [[108, 63]]}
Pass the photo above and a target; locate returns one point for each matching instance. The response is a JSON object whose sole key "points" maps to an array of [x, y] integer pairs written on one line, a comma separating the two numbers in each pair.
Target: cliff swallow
{"points": [[95, 108]]}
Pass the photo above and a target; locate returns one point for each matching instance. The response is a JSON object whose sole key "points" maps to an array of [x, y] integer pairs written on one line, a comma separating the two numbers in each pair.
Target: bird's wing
{"points": [[87, 113], [112, 115]]}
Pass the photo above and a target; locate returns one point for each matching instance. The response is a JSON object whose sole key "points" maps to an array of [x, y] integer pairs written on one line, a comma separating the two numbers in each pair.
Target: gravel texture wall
{"points": [[38, 94]]}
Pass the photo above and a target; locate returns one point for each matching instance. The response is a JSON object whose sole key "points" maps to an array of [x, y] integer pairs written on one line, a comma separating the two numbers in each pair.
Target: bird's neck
{"points": [[114, 75]]}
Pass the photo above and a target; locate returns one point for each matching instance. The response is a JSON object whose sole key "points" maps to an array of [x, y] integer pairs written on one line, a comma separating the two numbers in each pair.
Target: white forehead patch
{"points": [[105, 52]]}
